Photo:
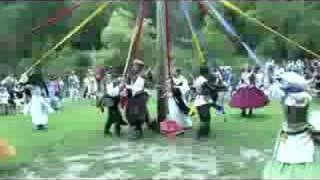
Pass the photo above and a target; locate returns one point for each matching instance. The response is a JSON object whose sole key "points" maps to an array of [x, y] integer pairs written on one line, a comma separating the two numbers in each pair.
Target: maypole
{"points": [[162, 105], [135, 39]]}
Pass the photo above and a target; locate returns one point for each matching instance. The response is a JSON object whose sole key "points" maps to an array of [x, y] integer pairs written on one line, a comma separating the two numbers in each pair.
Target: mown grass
{"points": [[80, 125]]}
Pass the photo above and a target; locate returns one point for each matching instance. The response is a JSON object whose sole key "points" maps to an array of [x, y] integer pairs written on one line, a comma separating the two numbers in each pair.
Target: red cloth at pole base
{"points": [[169, 128]]}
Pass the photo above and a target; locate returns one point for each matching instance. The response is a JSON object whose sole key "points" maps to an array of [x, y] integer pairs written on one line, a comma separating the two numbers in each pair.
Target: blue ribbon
{"points": [[230, 30]]}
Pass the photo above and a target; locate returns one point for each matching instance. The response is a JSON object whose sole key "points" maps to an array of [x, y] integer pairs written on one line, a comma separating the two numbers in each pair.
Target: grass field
{"points": [[74, 146]]}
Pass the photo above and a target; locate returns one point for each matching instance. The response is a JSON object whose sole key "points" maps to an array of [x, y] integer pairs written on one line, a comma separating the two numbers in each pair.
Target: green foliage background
{"points": [[109, 34]]}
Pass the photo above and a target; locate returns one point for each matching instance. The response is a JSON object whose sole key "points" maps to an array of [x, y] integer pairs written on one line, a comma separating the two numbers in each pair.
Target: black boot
{"points": [[203, 131], [250, 113], [243, 113], [117, 129]]}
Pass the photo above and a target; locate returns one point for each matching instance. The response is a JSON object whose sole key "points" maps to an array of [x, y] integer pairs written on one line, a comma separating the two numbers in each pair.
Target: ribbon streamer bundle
{"points": [[68, 36]]}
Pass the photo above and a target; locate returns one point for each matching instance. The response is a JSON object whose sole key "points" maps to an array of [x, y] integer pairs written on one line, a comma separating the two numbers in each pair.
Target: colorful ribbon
{"points": [[195, 40], [230, 30], [69, 35], [135, 38], [59, 15], [231, 6]]}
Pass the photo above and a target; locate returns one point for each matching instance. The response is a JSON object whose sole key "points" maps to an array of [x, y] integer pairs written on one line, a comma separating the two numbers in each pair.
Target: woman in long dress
{"points": [[177, 102], [296, 153], [39, 109], [136, 110], [248, 96]]}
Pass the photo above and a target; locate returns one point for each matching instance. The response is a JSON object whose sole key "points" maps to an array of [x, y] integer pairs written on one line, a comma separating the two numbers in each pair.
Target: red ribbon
{"points": [[202, 8], [60, 14]]}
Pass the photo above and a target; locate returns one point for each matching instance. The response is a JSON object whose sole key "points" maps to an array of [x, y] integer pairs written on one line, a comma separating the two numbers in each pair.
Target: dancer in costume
{"points": [[227, 77], [74, 86], [248, 96], [270, 86], [296, 154], [177, 101], [136, 110], [19, 97], [54, 90], [217, 90], [39, 108], [92, 86], [100, 75], [203, 102], [10, 82], [111, 100], [33, 79]]}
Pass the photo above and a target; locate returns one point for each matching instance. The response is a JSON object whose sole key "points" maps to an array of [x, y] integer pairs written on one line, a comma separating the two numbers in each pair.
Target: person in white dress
{"points": [[177, 101], [39, 108], [296, 151], [92, 86], [74, 85]]}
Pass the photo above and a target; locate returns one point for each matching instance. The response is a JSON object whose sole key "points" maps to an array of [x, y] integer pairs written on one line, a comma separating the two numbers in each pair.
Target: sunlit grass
{"points": [[81, 125]]}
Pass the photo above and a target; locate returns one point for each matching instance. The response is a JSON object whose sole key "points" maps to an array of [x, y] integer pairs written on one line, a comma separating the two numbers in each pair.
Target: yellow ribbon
{"points": [[69, 35], [239, 11], [198, 47]]}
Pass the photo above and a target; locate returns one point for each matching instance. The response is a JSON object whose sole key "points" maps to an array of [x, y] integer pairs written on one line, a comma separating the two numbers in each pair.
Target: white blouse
{"points": [[112, 90], [137, 86], [200, 99]]}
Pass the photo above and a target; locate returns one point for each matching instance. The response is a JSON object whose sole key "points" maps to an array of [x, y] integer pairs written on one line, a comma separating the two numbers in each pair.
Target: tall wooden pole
{"points": [[163, 71]]}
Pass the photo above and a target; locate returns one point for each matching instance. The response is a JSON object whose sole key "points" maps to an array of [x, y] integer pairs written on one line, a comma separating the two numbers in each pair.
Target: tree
{"points": [[116, 38]]}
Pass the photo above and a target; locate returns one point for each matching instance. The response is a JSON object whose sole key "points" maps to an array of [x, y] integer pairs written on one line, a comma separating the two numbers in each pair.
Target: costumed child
{"points": [[111, 101], [296, 153], [4, 100], [248, 96], [39, 109]]}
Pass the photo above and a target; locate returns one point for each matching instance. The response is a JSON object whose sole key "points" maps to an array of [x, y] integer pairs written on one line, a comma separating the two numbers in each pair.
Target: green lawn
{"points": [[78, 128]]}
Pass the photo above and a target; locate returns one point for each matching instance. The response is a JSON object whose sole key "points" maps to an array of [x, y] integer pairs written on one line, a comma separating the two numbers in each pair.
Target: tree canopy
{"points": [[109, 34]]}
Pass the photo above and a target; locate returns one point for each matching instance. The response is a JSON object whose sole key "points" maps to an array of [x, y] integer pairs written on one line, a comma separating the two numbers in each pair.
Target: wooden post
{"points": [[161, 89]]}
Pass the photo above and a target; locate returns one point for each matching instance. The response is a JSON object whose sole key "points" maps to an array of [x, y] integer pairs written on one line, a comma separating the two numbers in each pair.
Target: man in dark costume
{"points": [[111, 100], [203, 102], [136, 111]]}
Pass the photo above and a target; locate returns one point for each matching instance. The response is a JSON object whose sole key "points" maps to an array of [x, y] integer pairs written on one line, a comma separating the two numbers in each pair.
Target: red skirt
{"points": [[248, 97]]}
